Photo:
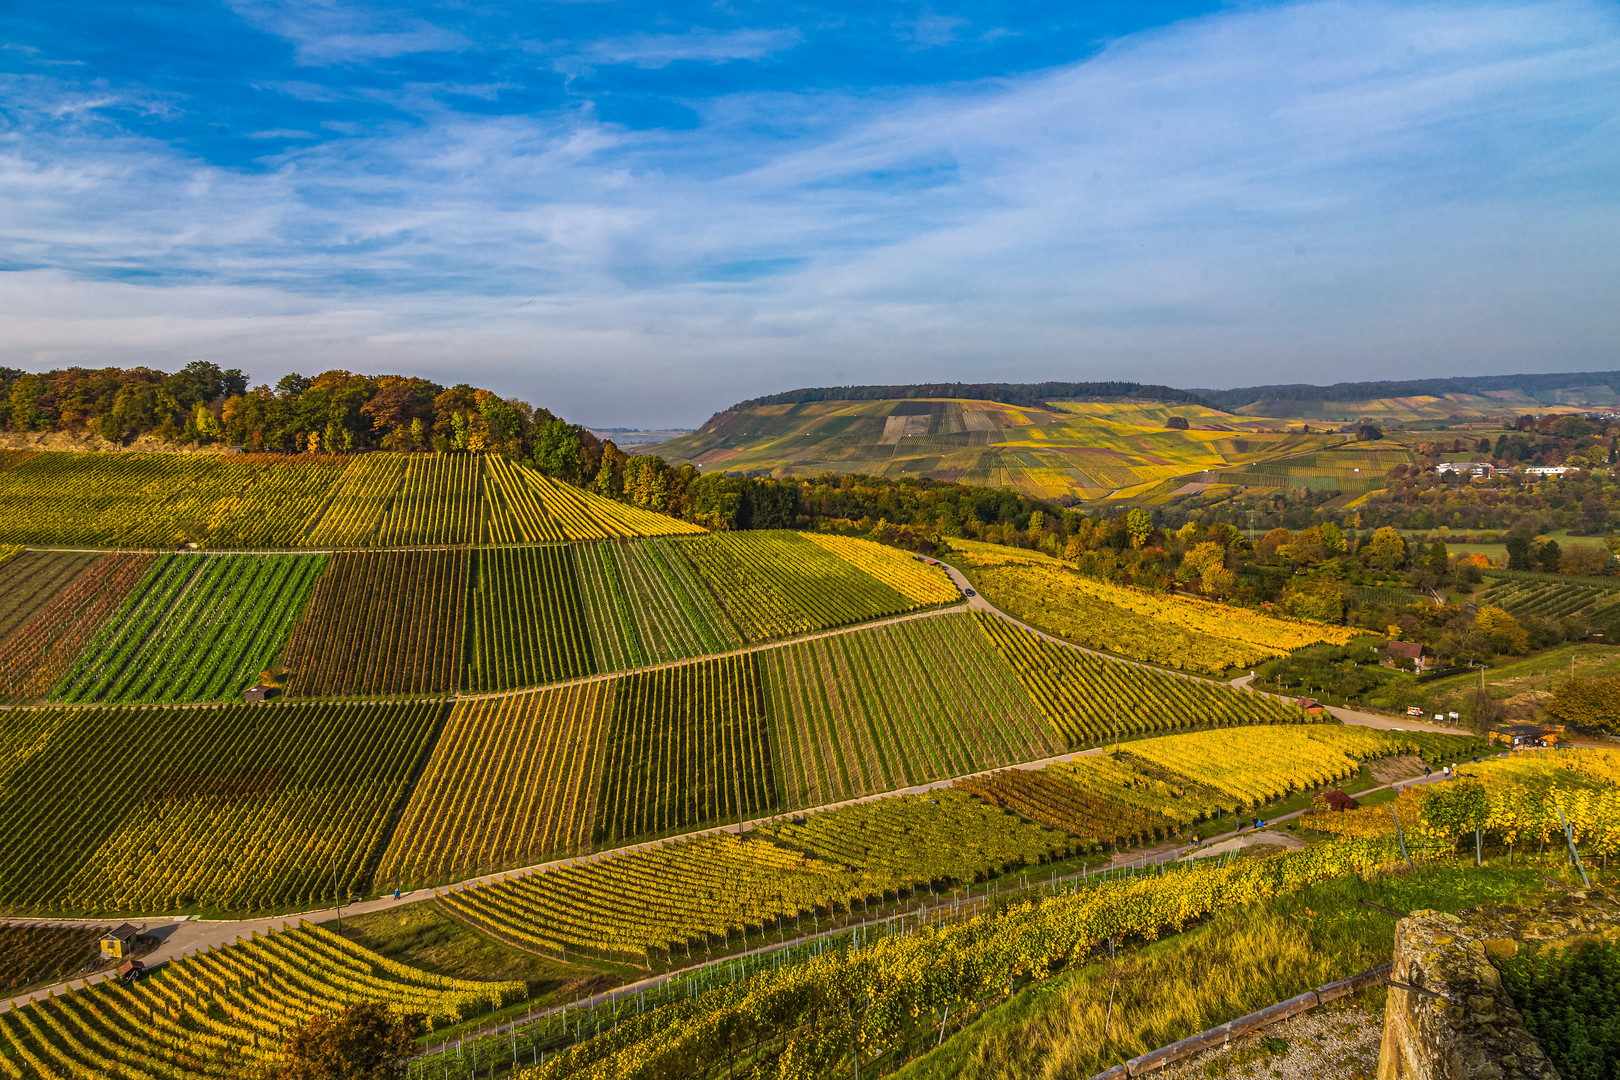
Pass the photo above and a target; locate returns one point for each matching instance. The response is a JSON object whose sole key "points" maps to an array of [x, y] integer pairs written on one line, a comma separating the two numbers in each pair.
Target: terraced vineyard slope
{"points": [[512, 782], [645, 605], [1045, 798], [34, 955], [197, 628], [1090, 700], [905, 573], [879, 709], [31, 579], [244, 807], [685, 746], [1175, 632], [41, 650], [665, 900], [1090, 449], [170, 1026], [357, 505], [673, 900], [778, 584], [160, 500], [437, 502], [525, 624], [1596, 601], [381, 622]]}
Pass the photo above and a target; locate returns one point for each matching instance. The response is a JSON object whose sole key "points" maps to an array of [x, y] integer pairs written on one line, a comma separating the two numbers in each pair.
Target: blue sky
{"points": [[638, 213]]}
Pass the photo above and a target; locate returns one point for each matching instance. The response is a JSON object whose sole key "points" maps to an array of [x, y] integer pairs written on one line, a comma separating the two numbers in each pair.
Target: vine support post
{"points": [[1569, 834], [1400, 835]]}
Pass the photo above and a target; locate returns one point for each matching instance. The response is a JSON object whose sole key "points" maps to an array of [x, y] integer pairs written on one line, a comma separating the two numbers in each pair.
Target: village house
{"points": [[1394, 652]]}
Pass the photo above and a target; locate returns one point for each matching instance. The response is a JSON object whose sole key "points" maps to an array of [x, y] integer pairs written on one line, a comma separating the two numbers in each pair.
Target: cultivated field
{"points": [[245, 807], [525, 626], [886, 708], [1089, 449], [777, 584], [383, 622], [197, 628], [264, 988], [683, 747], [1090, 700], [512, 782], [1172, 631]]}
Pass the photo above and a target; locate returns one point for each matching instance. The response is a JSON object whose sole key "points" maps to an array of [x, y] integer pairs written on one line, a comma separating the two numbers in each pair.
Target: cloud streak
{"points": [[1311, 192]]}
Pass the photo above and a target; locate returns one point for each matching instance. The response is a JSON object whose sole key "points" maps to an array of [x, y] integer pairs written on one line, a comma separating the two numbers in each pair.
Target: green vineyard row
{"points": [[202, 627]]}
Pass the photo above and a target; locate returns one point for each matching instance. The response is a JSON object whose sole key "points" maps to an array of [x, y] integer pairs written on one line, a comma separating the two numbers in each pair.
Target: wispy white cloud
{"points": [[345, 31], [660, 50], [1312, 192]]}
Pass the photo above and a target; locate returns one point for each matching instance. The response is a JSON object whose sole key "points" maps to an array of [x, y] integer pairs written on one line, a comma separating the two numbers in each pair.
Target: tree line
{"points": [[334, 412]]}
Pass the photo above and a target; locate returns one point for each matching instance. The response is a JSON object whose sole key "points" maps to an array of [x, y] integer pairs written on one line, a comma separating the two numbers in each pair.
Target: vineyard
{"points": [[243, 807], [1043, 797], [39, 652], [915, 840], [800, 1019], [32, 955], [512, 782], [381, 622], [437, 502], [358, 503], [224, 501], [159, 500], [524, 506], [893, 706], [778, 584], [226, 1012], [688, 895], [1157, 787], [1091, 700], [30, 580], [524, 624], [581, 515], [1178, 633], [1277, 761], [646, 606], [1168, 801], [683, 746], [1553, 600], [197, 628], [906, 574], [677, 895]]}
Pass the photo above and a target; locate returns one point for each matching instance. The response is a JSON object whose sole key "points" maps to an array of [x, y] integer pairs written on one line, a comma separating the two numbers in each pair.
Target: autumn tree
{"points": [[365, 1041], [1386, 550], [1138, 526], [1502, 631]]}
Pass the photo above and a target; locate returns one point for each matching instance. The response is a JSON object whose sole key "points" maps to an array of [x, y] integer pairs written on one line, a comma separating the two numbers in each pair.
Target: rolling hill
{"points": [[1417, 400], [1084, 449], [1111, 440]]}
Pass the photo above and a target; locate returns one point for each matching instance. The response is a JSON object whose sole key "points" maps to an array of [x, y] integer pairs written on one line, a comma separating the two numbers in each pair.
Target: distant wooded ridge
{"points": [[1035, 394], [1029, 394], [1367, 391]]}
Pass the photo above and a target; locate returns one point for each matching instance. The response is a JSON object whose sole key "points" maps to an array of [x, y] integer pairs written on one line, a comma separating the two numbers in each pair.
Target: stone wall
{"points": [[1449, 1017]]}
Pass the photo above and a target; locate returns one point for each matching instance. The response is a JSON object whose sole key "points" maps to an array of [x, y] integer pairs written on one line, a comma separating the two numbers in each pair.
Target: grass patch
{"points": [[425, 937], [1096, 1015]]}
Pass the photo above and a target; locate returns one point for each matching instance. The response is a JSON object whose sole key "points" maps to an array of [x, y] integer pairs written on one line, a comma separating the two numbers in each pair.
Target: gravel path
{"points": [[1338, 1041]]}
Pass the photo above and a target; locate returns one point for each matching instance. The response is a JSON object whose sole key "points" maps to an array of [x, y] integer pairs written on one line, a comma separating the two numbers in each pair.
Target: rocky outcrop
{"points": [[1448, 1016]]}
